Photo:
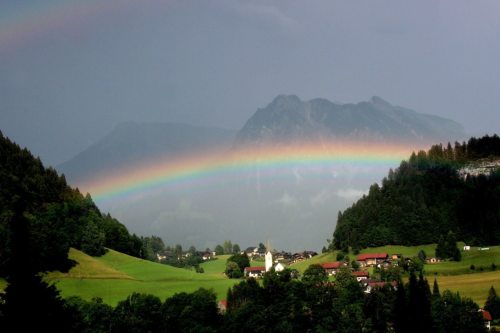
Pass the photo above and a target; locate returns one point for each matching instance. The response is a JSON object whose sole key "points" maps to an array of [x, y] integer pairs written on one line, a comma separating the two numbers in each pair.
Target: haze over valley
{"points": [[282, 177]]}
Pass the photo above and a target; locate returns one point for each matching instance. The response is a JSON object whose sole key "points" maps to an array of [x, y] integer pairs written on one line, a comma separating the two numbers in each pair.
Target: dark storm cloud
{"points": [[214, 63]]}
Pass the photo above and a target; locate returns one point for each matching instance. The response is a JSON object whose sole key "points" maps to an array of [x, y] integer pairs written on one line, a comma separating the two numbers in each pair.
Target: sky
{"points": [[71, 70]]}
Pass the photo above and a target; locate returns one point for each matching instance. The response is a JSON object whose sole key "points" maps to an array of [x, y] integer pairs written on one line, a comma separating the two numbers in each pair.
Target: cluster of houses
{"points": [[166, 255], [331, 268], [281, 256]]}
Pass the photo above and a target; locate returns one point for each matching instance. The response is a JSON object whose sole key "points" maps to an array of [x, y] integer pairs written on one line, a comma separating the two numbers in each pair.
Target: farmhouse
{"points": [[372, 284], [254, 272], [361, 275], [432, 260], [487, 318], [331, 268], [371, 259], [252, 251], [222, 306]]}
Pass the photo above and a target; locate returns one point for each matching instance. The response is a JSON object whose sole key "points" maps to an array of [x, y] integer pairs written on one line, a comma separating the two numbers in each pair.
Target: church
{"points": [[258, 271]]}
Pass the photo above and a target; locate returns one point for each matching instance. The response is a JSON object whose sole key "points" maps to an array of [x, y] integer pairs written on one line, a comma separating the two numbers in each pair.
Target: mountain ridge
{"points": [[287, 119]]}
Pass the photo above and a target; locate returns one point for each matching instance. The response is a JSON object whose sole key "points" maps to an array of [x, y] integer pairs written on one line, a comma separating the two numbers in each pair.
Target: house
{"points": [[432, 260], [279, 267], [222, 306], [372, 284], [487, 318], [251, 251], [331, 268], [206, 256], [371, 259], [254, 272], [361, 275], [466, 247], [396, 256]]}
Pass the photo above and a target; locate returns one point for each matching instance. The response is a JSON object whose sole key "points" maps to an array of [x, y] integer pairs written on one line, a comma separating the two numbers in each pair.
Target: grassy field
{"points": [[475, 286], [3, 284], [114, 276], [301, 266]]}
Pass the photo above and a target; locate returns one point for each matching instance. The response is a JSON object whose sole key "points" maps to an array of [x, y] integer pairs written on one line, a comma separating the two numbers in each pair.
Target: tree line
{"points": [[57, 216], [425, 198], [281, 303]]}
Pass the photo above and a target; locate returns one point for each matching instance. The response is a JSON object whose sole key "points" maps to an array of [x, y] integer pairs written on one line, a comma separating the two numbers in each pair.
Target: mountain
{"points": [[288, 119], [132, 142]]}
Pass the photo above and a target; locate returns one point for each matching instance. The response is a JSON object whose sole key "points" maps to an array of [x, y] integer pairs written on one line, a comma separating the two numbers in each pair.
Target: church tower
{"points": [[269, 258]]}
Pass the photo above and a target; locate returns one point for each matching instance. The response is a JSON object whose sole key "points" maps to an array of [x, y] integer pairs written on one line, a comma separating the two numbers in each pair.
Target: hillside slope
{"points": [[115, 276], [425, 198]]}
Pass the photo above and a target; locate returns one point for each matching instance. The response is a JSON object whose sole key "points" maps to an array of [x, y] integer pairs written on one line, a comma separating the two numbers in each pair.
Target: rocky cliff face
{"points": [[287, 119]]}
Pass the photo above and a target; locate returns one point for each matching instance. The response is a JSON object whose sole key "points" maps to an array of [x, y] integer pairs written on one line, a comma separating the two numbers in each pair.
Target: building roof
{"points": [[380, 284], [360, 273], [255, 269], [487, 315], [366, 256], [331, 265]]}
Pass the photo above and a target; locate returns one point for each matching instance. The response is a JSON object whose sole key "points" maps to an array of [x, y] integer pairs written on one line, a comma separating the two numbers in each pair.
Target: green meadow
{"points": [[114, 276]]}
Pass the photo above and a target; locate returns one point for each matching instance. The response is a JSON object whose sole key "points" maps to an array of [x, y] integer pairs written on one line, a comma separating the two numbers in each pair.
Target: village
{"points": [[275, 261]]}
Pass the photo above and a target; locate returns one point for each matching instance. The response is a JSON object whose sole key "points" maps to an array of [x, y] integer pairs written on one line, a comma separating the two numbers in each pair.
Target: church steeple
{"points": [[269, 257]]}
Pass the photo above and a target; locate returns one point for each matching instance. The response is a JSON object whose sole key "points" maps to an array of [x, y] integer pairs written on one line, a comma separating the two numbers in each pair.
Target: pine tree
{"points": [[28, 301], [435, 290], [493, 303]]}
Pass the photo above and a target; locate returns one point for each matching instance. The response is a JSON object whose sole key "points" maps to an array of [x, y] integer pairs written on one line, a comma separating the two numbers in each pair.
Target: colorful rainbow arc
{"points": [[209, 168]]}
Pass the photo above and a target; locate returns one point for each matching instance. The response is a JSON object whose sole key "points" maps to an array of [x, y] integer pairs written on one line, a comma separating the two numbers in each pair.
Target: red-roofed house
{"points": [[487, 318], [372, 284], [371, 259], [222, 306], [331, 268], [254, 271], [361, 275]]}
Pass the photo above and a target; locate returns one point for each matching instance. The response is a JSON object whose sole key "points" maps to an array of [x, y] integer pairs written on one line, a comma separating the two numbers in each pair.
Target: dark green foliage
{"points": [[315, 274], [424, 199], [233, 271], [240, 259], [93, 240], [422, 255], [377, 309], [447, 248], [435, 290], [28, 302], [94, 316], [452, 313], [152, 246], [58, 217], [219, 250], [493, 304], [195, 312], [138, 313]]}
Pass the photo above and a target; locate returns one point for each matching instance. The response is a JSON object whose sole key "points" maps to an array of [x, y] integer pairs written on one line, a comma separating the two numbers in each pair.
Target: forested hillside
{"points": [[57, 216], [434, 192]]}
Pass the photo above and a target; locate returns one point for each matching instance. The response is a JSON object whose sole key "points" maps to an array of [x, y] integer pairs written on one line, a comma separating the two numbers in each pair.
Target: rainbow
{"points": [[219, 169], [23, 24]]}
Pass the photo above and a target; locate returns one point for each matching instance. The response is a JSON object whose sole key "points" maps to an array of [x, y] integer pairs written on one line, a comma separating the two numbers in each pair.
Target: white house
{"points": [[279, 267]]}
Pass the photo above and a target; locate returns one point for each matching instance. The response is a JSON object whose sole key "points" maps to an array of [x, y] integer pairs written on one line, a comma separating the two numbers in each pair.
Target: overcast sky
{"points": [[70, 70]]}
